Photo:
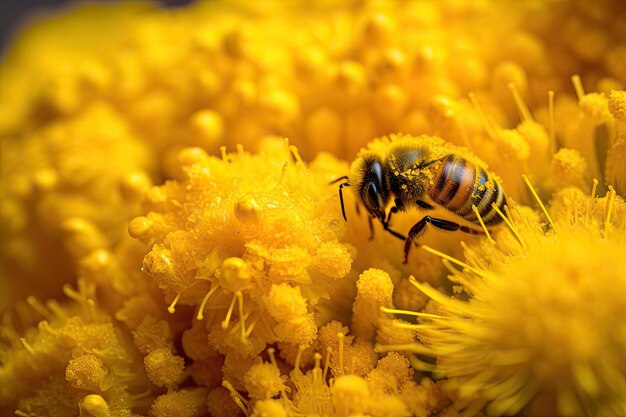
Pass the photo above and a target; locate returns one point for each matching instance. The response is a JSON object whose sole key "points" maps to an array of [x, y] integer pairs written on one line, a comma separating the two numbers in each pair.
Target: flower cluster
{"points": [[541, 306], [172, 175]]}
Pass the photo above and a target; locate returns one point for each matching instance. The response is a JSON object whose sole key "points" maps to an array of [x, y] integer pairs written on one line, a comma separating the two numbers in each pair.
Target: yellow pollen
{"points": [[609, 209], [200, 314], [534, 193], [172, 308], [578, 86], [521, 105]]}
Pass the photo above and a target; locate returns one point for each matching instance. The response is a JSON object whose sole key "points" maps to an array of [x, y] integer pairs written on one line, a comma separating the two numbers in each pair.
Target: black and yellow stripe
{"points": [[459, 184]]}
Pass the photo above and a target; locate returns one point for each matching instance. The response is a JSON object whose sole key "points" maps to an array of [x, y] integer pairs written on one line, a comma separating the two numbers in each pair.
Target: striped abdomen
{"points": [[459, 184]]}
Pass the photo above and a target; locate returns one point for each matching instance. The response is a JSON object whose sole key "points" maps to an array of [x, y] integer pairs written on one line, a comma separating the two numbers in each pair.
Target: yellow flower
{"points": [[251, 241], [76, 354], [541, 329], [234, 291]]}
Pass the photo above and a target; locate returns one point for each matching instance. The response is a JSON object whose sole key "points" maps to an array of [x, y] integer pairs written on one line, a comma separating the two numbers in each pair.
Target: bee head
{"points": [[374, 189]]}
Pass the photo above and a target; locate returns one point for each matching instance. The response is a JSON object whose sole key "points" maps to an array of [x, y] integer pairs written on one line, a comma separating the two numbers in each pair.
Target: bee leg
{"points": [[393, 232], [393, 210], [398, 206], [418, 229], [371, 222]]}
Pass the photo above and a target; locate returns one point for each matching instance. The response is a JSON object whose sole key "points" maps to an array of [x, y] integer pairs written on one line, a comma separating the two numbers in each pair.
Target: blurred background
{"points": [[13, 12]]}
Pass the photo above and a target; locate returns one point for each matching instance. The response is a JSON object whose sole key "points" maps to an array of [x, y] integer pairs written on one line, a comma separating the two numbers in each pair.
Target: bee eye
{"points": [[370, 198]]}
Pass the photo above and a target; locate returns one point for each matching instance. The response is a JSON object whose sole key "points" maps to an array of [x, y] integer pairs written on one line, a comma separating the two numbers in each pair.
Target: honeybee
{"points": [[393, 174]]}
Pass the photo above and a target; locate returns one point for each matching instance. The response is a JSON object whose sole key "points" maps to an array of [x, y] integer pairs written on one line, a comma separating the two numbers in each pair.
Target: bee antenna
{"points": [[343, 209], [345, 177]]}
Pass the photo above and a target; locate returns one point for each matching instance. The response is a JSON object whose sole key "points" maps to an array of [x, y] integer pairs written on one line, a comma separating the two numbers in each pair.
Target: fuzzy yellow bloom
{"points": [[541, 331], [242, 238], [77, 356]]}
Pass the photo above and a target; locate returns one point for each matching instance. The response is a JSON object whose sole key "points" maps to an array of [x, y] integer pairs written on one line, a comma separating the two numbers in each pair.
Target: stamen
{"points": [[251, 327], [410, 347], [411, 313], [296, 155], [575, 209], [508, 223], [521, 105], [317, 371], [71, 293], [270, 353], [578, 86], [56, 309], [453, 260], [286, 144], [551, 122], [534, 193], [482, 224], [230, 312], [223, 152], [242, 318], [482, 116], [420, 365], [20, 413], [450, 304], [594, 187], [240, 149], [200, 314], [340, 336], [326, 363], [296, 364], [282, 173], [27, 346], [609, 209], [409, 326], [38, 307], [171, 309], [237, 398], [352, 365]]}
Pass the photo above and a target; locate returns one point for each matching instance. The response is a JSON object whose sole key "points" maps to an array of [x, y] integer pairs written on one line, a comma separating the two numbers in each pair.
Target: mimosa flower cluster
{"points": [[173, 242]]}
